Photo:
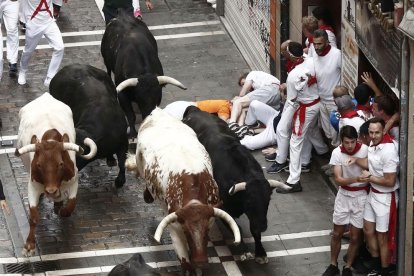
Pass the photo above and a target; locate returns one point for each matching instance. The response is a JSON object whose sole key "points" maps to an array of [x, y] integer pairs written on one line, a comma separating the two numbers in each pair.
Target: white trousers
{"points": [[314, 138], [9, 13], [262, 112], [284, 130], [325, 122], [34, 33], [297, 141]]}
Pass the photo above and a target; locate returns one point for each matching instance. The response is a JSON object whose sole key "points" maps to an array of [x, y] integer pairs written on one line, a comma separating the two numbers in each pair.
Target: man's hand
{"points": [[350, 161], [368, 80], [149, 4], [364, 177], [4, 206]]}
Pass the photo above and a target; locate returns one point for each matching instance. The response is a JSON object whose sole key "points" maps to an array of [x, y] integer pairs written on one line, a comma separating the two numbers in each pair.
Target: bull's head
{"points": [[194, 218], [257, 198], [51, 163]]}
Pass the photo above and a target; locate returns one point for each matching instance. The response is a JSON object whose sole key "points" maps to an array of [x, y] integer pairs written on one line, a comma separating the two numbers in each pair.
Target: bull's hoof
{"points": [[28, 252], [262, 260], [111, 162], [148, 197], [119, 182], [64, 212], [246, 256]]}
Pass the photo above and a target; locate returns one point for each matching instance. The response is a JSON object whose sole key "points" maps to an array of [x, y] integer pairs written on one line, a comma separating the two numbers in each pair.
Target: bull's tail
{"points": [[131, 162]]}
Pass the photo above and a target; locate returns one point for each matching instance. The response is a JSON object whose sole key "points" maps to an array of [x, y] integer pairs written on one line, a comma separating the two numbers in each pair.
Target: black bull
{"points": [[130, 51], [242, 185], [91, 95]]}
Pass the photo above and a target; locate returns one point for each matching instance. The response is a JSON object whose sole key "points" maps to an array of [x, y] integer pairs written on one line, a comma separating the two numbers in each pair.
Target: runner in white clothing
{"points": [[328, 73], [39, 22], [350, 199], [380, 214], [9, 11]]}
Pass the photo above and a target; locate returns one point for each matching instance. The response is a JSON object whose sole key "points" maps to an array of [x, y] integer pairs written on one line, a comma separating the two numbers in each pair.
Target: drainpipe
{"points": [[402, 209], [284, 34]]}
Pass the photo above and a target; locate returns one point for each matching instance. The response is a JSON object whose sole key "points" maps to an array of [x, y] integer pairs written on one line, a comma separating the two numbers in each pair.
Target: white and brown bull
{"points": [[177, 171], [51, 160]]}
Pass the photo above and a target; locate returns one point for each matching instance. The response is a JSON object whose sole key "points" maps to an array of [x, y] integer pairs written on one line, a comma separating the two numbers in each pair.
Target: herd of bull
{"points": [[196, 168]]}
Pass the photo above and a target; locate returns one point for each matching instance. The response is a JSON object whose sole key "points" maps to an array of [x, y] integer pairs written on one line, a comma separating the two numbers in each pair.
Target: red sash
{"points": [[302, 112], [349, 114], [39, 9], [392, 227], [354, 189]]}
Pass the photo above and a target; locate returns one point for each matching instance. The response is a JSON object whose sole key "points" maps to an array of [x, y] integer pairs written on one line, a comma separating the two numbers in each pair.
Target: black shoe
{"points": [[22, 26], [270, 157], [234, 126], [346, 271], [374, 272], [305, 168], [331, 270], [295, 189], [276, 167], [13, 70]]}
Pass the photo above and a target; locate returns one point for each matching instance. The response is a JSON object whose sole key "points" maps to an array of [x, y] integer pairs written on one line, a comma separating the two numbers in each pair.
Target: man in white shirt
{"points": [[256, 85], [39, 22], [328, 73], [380, 214], [9, 12], [349, 117], [350, 199]]}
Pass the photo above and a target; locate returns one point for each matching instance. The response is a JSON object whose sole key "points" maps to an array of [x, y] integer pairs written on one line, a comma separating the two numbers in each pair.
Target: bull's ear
{"points": [[65, 138], [34, 140]]}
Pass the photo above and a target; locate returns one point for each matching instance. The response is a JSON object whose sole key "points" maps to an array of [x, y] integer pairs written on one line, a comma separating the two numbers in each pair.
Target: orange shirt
{"points": [[221, 107]]}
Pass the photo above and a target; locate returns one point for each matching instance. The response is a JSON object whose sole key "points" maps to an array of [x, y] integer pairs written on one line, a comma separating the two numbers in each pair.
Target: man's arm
{"points": [[246, 88], [367, 78], [388, 180], [362, 162]]}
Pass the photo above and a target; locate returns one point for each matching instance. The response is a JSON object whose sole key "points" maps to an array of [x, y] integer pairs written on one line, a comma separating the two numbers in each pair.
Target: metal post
{"points": [[284, 34]]}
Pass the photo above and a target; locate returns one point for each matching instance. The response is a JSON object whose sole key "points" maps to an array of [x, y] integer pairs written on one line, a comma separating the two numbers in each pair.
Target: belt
{"points": [[302, 112], [354, 189]]}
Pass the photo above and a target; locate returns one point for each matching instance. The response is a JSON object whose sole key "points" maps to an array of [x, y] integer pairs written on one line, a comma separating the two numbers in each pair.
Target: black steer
{"points": [[242, 185], [91, 95], [130, 51]]}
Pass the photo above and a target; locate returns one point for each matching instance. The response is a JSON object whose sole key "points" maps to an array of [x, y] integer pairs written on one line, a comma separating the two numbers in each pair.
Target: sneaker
{"points": [[12, 70], [374, 272], [276, 167], [256, 125], [47, 81], [331, 270], [22, 78], [270, 157], [297, 187], [234, 126], [346, 271], [305, 168]]}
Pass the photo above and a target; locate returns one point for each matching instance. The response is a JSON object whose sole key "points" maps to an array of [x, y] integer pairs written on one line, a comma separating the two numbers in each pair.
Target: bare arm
{"points": [[391, 121], [362, 162], [339, 179], [246, 88], [368, 80], [388, 180]]}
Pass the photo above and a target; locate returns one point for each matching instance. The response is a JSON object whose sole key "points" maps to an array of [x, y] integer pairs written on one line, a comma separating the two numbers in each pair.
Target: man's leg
{"points": [[238, 105], [54, 37], [337, 233], [283, 132], [11, 18], [383, 248], [325, 121], [259, 111], [354, 243], [33, 36]]}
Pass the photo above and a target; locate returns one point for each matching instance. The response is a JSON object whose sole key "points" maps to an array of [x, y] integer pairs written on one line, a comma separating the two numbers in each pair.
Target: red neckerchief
{"points": [[325, 51], [358, 146], [290, 65], [385, 139], [326, 28], [364, 108], [349, 114]]}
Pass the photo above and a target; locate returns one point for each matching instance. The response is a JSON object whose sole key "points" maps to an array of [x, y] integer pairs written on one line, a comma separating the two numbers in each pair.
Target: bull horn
{"points": [[237, 188], [25, 149], [232, 223], [163, 224], [74, 147], [278, 184], [127, 83], [93, 149], [168, 80]]}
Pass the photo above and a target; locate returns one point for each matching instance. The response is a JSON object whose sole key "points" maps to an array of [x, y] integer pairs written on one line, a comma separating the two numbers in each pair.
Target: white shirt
{"points": [[297, 82], [395, 133], [339, 158], [356, 122], [29, 7], [383, 158], [260, 79], [328, 73]]}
